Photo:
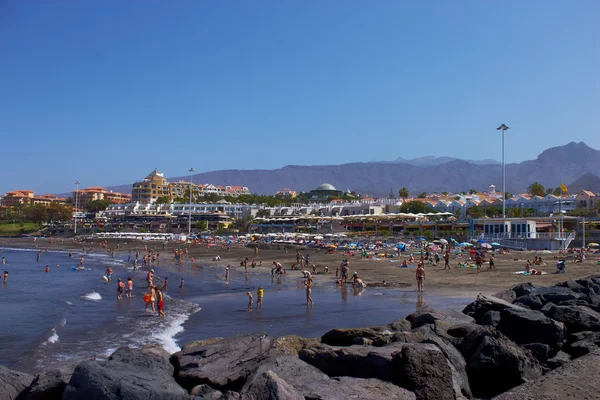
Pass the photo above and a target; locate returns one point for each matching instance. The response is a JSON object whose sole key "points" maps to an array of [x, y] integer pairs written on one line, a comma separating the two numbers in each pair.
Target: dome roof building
{"points": [[324, 192]]}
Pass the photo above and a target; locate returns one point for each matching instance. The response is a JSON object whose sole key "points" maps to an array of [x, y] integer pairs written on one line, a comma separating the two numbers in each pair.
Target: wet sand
{"points": [[461, 282]]}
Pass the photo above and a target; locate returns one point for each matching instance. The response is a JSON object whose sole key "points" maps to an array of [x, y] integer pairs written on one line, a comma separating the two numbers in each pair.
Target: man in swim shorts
{"points": [[129, 288], [120, 287], [5, 276], [108, 273]]}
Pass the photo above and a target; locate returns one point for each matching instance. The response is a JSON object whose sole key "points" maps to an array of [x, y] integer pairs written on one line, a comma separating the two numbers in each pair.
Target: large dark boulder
{"points": [[313, 384], [225, 364], [268, 386], [458, 367], [205, 392], [354, 361], [132, 374], [574, 286], [291, 345], [586, 345], [575, 318], [484, 304], [523, 289], [491, 318], [399, 325], [49, 385], [429, 315], [498, 365], [560, 359], [13, 383], [379, 336], [556, 294], [579, 379], [423, 369], [539, 350], [468, 337], [533, 301], [529, 326]]}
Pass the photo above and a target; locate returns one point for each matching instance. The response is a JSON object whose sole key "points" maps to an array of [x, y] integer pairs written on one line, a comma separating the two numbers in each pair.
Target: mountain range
{"points": [[564, 164]]}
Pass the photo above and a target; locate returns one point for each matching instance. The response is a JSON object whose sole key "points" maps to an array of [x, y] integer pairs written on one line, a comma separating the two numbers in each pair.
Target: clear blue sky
{"points": [[105, 91]]}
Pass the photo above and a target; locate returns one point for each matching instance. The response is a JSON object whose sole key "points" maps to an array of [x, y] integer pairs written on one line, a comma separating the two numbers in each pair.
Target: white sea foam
{"points": [[92, 296], [166, 335], [53, 338], [69, 303]]}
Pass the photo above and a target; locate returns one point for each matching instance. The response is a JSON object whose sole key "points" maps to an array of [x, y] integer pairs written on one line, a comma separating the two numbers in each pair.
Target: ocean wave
{"points": [[166, 336], [92, 296], [53, 338]]}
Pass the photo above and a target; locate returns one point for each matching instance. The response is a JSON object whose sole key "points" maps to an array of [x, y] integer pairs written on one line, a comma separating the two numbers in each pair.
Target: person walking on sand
{"points": [[420, 277], [308, 284], [492, 264], [259, 298], [447, 260], [249, 301], [120, 287], [160, 302]]}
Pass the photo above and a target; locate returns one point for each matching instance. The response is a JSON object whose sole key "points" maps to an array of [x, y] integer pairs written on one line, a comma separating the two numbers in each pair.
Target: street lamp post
{"points": [[503, 128], [191, 171], [76, 204]]}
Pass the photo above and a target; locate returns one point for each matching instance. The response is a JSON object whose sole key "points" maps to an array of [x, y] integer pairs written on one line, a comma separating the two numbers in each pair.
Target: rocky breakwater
{"points": [[516, 344]]}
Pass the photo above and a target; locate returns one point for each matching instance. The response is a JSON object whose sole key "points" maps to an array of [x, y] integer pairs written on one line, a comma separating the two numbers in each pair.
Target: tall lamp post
{"points": [[191, 171], [76, 204], [503, 128]]}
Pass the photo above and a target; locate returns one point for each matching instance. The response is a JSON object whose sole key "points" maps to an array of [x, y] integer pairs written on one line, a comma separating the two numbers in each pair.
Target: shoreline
{"points": [[482, 352]]}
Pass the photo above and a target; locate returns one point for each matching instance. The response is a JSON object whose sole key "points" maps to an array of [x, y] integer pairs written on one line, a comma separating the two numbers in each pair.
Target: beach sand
{"points": [[462, 282]]}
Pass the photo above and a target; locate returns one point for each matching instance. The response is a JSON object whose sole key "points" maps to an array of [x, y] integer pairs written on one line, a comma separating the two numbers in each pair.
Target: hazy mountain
{"points": [[428, 161], [552, 167], [588, 181]]}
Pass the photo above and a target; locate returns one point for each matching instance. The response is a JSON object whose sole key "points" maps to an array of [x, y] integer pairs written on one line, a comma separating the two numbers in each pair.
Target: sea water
{"points": [[49, 319]]}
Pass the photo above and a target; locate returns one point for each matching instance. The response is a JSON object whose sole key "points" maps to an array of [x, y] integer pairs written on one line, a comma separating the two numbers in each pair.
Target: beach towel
{"points": [[410, 266], [528, 273]]}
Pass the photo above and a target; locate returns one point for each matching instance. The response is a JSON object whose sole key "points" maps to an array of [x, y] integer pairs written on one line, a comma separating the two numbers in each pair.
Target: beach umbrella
{"points": [[443, 241], [421, 239], [593, 244], [481, 241], [486, 245], [496, 244]]}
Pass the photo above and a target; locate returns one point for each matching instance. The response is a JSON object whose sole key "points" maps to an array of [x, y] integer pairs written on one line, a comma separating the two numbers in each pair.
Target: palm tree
{"points": [[403, 193], [536, 189]]}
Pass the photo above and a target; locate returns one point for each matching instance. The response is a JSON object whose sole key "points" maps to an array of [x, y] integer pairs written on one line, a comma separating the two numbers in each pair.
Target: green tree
{"points": [[414, 207], [507, 195], [263, 213], [536, 189], [472, 191], [422, 195], [391, 194], [201, 225], [549, 190], [97, 205], [475, 212], [163, 200], [59, 212], [557, 191], [403, 193], [37, 213], [444, 193]]}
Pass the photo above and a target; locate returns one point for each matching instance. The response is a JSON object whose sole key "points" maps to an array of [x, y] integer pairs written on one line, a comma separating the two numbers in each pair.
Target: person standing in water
{"points": [[5, 276], [160, 304], [259, 298], [249, 301], [420, 277], [308, 285], [120, 288], [227, 274], [165, 285], [47, 268], [129, 288], [181, 285]]}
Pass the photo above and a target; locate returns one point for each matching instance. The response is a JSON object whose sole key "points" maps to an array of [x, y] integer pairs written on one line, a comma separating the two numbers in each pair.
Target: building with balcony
{"points": [[16, 197], [84, 196]]}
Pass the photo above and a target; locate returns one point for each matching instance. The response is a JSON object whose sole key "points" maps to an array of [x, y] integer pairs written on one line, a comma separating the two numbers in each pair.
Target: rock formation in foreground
{"points": [[517, 344]]}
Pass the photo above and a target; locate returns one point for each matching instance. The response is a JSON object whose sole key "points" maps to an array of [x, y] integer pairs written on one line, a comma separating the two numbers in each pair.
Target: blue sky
{"points": [[105, 91]]}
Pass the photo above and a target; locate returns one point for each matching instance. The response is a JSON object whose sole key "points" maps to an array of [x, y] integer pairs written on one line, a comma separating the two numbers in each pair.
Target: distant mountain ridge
{"points": [[562, 164], [428, 161]]}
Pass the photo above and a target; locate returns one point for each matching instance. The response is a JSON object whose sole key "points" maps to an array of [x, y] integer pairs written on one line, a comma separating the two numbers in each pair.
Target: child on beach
{"points": [[259, 298], [249, 301]]}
